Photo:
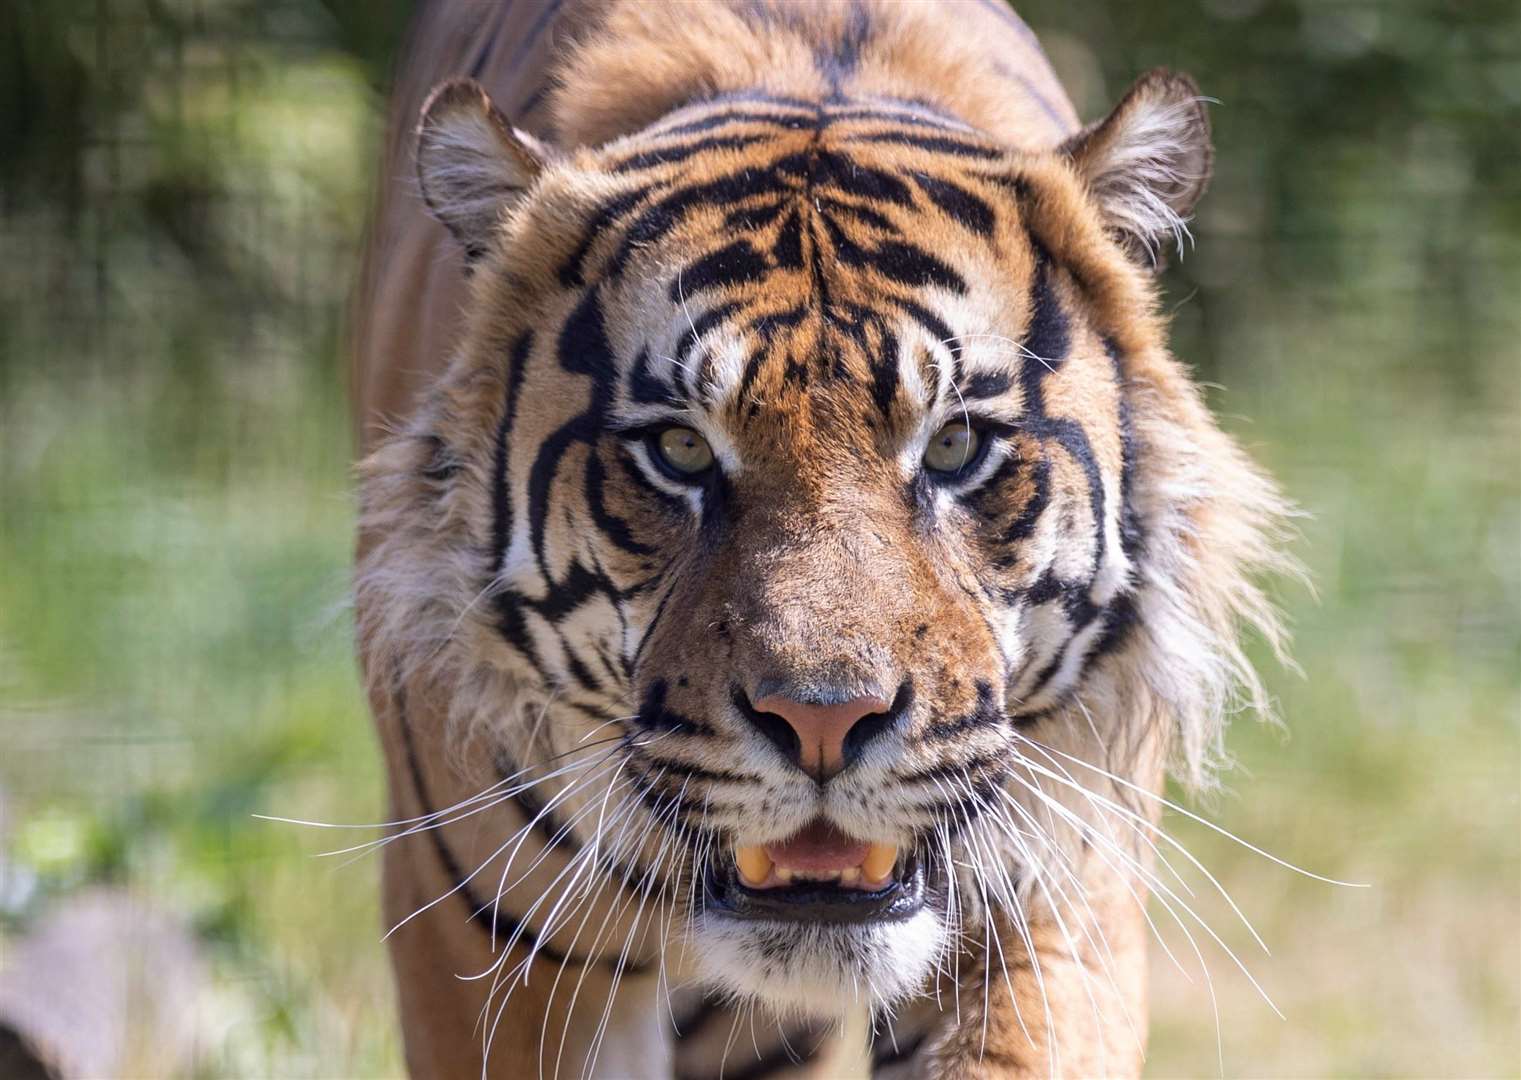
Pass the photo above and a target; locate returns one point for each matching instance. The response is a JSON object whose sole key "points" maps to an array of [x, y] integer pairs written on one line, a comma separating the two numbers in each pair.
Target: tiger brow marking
{"points": [[938, 143], [778, 121], [679, 152]]}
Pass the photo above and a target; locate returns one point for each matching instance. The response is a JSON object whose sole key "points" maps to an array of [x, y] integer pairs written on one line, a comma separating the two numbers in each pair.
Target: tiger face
{"points": [[789, 454]]}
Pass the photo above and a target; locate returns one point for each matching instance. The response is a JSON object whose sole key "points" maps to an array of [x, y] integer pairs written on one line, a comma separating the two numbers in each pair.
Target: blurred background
{"points": [[183, 187]]}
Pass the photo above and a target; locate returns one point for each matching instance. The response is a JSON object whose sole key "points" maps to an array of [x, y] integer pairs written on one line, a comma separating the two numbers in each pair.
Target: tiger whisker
{"points": [[646, 886], [617, 910], [576, 867], [1103, 845], [522, 832], [992, 940], [1079, 888], [505, 796], [1169, 804], [503, 887], [1167, 899], [1143, 827], [615, 854], [999, 816], [483, 793], [437, 818]]}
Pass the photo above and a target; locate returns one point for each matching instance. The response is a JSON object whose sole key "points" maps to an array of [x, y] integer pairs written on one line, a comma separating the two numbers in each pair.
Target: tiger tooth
{"points": [[878, 863], [784, 875], [754, 864], [851, 876]]}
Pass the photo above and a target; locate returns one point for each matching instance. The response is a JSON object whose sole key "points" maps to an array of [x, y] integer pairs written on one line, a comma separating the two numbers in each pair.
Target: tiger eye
{"points": [[951, 447], [684, 450]]}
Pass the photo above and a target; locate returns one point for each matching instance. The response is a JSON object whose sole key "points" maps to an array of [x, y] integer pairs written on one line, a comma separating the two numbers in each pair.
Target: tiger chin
{"points": [[790, 558]]}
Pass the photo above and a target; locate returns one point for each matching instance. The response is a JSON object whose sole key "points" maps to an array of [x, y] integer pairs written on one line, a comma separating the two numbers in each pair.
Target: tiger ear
{"points": [[472, 165], [1148, 161]]}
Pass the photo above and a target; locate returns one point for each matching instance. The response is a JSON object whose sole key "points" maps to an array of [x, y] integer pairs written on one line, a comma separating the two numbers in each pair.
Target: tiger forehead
{"points": [[785, 188], [803, 250]]}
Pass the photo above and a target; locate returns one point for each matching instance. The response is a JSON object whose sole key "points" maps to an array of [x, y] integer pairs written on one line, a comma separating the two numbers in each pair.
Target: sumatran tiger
{"points": [[790, 558]]}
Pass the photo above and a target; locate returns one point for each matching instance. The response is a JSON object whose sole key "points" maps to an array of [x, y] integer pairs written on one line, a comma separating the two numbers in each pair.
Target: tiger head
{"points": [[812, 463]]}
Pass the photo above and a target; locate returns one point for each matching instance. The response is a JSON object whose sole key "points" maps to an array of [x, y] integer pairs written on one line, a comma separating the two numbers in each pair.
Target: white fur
{"points": [[1148, 159], [819, 969], [470, 172]]}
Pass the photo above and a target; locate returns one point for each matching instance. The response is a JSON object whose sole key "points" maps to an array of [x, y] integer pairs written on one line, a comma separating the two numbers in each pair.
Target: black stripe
{"points": [[937, 143], [786, 121], [549, 9], [478, 65], [863, 214], [572, 270], [501, 526], [895, 116], [544, 819], [654, 716], [613, 527], [533, 101], [953, 770], [985, 714], [1007, 15], [644, 388], [939, 332], [670, 155], [665, 215], [885, 377], [897, 261], [693, 1023], [684, 770], [848, 174], [761, 97], [986, 384], [670, 503], [958, 203], [891, 1056], [1023, 526], [1048, 338], [736, 264]]}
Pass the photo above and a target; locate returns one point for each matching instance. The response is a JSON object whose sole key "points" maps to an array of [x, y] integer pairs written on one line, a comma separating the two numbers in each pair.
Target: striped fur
{"points": [[813, 233]]}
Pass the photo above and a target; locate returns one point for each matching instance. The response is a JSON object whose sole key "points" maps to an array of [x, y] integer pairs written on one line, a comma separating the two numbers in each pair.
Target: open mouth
{"points": [[819, 875]]}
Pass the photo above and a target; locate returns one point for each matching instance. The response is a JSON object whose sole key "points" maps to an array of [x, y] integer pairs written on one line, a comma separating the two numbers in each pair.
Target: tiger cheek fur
{"points": [[688, 458]]}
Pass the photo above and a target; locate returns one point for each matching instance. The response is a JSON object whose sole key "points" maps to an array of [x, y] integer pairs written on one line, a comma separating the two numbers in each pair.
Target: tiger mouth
{"points": [[819, 876]]}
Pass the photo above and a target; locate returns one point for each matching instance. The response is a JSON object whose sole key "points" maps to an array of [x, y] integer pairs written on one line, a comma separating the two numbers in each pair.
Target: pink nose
{"points": [[824, 743]]}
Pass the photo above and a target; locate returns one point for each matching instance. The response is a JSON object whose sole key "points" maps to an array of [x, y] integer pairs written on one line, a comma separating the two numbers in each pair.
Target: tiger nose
{"points": [[821, 737]]}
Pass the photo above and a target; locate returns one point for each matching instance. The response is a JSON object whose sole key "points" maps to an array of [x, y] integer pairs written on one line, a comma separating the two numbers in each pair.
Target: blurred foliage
{"points": [[183, 186]]}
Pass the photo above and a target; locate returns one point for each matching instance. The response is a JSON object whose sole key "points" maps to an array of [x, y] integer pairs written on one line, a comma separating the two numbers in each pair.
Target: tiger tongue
{"points": [[819, 847]]}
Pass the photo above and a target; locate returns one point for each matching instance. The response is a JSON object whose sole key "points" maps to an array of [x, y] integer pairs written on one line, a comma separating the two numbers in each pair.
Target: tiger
{"points": [[790, 559]]}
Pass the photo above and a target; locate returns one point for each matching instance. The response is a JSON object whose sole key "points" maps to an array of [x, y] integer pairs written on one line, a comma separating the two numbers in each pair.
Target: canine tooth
{"points": [[879, 862], [754, 864], [851, 876]]}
